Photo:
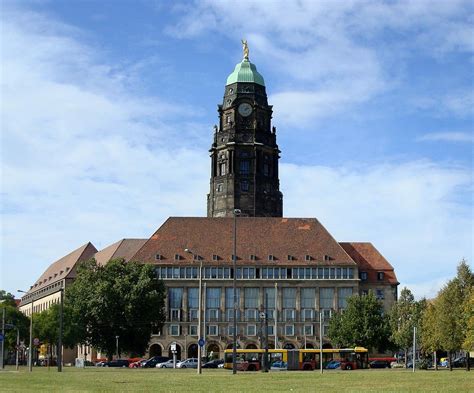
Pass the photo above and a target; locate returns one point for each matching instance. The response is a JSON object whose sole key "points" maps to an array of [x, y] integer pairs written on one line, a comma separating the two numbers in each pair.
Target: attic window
{"points": [[327, 258], [380, 276], [308, 257], [61, 272], [158, 257], [177, 257], [290, 257], [271, 257], [50, 277], [215, 257], [67, 269], [253, 257], [55, 274]]}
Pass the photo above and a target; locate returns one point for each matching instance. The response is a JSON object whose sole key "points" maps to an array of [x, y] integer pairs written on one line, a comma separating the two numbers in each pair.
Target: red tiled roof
{"points": [[260, 236], [125, 248], [64, 267], [369, 259]]}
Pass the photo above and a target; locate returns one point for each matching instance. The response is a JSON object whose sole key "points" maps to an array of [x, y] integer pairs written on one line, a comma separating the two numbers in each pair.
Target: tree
{"points": [[13, 317], [430, 332], [468, 344], [361, 324], [404, 316], [117, 299]]}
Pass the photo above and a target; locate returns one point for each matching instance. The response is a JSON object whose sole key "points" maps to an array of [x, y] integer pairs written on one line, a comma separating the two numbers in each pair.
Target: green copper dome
{"points": [[245, 72]]}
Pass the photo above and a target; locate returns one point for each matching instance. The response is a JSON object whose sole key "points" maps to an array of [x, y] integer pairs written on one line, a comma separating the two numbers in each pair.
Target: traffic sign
{"points": [[1, 337], [201, 342], [36, 341]]}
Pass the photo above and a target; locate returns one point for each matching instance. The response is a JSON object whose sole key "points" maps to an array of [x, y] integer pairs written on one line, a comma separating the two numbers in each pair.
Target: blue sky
{"points": [[108, 107]]}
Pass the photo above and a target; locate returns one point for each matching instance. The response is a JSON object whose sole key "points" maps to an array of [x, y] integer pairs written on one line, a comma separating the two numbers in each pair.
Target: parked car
{"points": [[117, 363], [101, 363], [379, 364], [188, 363], [461, 362], [213, 363], [138, 363], [279, 365], [152, 362], [167, 364], [333, 364]]}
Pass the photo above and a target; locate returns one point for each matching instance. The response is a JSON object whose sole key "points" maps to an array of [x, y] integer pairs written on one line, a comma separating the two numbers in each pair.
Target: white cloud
{"points": [[328, 57], [447, 137], [411, 212]]}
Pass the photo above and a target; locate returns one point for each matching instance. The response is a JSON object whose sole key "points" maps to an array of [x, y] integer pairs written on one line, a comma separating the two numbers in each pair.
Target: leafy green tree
{"points": [[361, 324], [14, 317], [468, 344], [451, 301], [116, 299], [430, 332]]}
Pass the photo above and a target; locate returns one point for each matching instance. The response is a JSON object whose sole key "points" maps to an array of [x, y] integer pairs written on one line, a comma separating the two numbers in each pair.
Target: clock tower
{"points": [[244, 153]]}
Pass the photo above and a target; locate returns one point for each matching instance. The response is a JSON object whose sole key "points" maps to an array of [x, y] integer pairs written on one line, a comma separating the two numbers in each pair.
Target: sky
{"points": [[108, 107]]}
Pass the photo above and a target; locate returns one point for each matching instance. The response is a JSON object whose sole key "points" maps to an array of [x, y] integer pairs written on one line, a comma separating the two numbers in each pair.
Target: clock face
{"points": [[245, 109]]}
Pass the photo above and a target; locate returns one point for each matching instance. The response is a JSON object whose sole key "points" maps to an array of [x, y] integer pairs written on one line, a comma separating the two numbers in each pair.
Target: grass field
{"points": [[153, 380]]}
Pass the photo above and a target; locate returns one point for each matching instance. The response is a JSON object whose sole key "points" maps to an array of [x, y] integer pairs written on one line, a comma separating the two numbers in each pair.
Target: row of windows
{"points": [[265, 273], [248, 330], [249, 315], [252, 257], [364, 276], [42, 290]]}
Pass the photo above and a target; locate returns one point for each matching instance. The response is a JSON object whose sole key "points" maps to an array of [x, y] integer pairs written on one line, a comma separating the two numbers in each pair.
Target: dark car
{"points": [[461, 362], [117, 363], [379, 364], [213, 363], [152, 362]]}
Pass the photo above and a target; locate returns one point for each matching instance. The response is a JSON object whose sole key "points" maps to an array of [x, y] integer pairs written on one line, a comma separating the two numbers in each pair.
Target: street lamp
{"points": [[30, 350], [117, 345], [199, 368], [60, 339], [237, 212]]}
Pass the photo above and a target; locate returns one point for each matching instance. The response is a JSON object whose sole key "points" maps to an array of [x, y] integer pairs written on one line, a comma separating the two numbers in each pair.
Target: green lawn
{"points": [[154, 380]]}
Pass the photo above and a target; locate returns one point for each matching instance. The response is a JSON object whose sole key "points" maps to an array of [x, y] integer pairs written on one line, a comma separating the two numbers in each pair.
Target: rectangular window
{"points": [[327, 315], [244, 167], [253, 257], [158, 257], [212, 330], [213, 297], [244, 185], [289, 297], [320, 273], [363, 276], [230, 330], [215, 257], [308, 330], [308, 258], [289, 330], [269, 300], [271, 257], [332, 273], [193, 314], [175, 314], [175, 297], [308, 296], [270, 330], [250, 314], [343, 294], [212, 314], [326, 273], [380, 276], [251, 297], [379, 294], [351, 273], [289, 314], [307, 314], [251, 330], [326, 297], [193, 330], [338, 273], [174, 330]]}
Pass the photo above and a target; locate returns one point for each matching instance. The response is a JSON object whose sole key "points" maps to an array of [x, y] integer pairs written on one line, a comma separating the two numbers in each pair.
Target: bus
{"points": [[297, 359], [252, 359]]}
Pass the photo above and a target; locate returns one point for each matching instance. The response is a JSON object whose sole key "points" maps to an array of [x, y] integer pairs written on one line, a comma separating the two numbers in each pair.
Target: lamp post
{"points": [[117, 345], [60, 338], [30, 350], [199, 368], [321, 341], [237, 212], [2, 366]]}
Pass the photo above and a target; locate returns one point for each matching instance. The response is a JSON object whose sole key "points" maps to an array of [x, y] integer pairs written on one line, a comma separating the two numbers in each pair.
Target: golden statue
{"points": [[245, 48]]}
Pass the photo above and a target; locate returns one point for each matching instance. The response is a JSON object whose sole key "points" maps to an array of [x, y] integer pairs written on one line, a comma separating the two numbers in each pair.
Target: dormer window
{"points": [[67, 269], [177, 257], [253, 257], [215, 257], [290, 257], [158, 257], [271, 257], [380, 276], [308, 258], [327, 258]]}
